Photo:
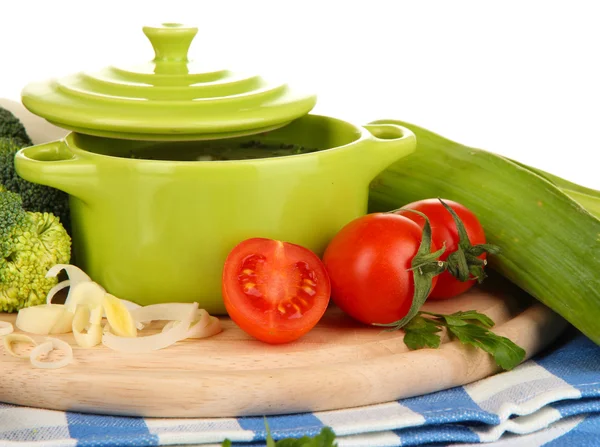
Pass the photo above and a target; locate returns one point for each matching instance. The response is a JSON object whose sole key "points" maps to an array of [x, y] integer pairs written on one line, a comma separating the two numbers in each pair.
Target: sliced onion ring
{"points": [[44, 319], [46, 347], [76, 276], [204, 325], [156, 341], [212, 328], [162, 311], [5, 328], [87, 319], [57, 288], [118, 316], [130, 304], [63, 324], [11, 339], [89, 293]]}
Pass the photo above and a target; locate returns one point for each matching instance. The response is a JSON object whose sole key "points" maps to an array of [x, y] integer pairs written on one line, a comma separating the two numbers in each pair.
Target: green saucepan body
{"points": [[153, 221]]}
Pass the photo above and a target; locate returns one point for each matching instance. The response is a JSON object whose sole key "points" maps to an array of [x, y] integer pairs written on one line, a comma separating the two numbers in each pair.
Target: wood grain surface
{"points": [[339, 364]]}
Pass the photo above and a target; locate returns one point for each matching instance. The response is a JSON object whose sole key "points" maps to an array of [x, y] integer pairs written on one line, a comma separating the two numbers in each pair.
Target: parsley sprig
{"points": [[325, 438], [470, 327]]}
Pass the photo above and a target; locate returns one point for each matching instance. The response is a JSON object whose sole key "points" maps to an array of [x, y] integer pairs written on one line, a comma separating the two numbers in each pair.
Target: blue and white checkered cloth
{"points": [[551, 400]]}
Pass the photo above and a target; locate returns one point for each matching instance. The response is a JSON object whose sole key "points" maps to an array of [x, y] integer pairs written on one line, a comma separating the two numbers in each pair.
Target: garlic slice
{"points": [[5, 328], [88, 320], [11, 339], [57, 288], [118, 316], [44, 319], [185, 312], [49, 345]]}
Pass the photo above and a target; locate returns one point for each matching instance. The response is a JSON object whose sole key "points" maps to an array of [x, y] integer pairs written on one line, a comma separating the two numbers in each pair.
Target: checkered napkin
{"points": [[551, 400]]}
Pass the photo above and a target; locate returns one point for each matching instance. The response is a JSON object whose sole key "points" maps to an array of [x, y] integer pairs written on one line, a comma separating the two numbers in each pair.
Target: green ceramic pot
{"points": [[155, 231], [150, 222]]}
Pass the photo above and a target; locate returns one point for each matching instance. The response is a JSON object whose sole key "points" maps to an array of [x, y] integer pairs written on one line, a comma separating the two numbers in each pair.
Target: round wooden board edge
{"points": [[403, 375]]}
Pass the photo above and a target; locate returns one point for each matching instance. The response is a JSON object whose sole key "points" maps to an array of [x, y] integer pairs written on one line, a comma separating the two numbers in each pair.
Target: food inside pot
{"points": [[220, 150], [308, 134]]}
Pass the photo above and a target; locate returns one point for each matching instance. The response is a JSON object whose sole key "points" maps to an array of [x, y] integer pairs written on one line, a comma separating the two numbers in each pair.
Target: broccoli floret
{"points": [[11, 127], [30, 243], [39, 198]]}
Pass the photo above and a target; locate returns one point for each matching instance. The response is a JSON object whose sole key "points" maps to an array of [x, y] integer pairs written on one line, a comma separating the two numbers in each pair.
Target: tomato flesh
{"points": [[368, 263], [443, 230], [273, 290]]}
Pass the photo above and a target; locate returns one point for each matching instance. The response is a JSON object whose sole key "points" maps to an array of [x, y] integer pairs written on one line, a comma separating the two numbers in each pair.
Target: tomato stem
{"points": [[464, 263], [425, 266]]}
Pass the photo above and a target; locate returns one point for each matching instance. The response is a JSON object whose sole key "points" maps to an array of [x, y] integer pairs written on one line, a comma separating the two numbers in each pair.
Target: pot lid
{"points": [[168, 98]]}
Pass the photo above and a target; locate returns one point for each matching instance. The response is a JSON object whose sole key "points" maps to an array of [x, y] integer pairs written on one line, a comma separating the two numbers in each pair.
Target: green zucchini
{"points": [[548, 229]]}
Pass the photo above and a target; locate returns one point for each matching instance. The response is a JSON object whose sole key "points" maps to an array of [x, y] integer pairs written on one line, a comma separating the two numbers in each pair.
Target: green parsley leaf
{"points": [[323, 439], [469, 333], [506, 353], [461, 318], [473, 315], [470, 327], [270, 442], [421, 332], [451, 320]]}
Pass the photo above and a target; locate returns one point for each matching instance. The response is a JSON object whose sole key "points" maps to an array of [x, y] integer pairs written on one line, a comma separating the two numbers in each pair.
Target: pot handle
{"points": [[54, 164], [392, 142]]}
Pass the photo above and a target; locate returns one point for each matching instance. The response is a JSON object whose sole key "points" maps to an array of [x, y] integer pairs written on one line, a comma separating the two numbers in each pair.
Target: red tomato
{"points": [[368, 262], [275, 291], [443, 229]]}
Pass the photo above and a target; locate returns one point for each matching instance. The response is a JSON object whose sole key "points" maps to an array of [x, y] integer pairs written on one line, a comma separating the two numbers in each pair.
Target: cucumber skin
{"points": [[550, 244]]}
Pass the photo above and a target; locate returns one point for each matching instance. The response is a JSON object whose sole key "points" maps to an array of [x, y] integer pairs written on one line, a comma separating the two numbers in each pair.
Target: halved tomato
{"points": [[275, 291]]}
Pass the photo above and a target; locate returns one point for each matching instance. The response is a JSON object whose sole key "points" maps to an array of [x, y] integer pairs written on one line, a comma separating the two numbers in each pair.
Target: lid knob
{"points": [[171, 41]]}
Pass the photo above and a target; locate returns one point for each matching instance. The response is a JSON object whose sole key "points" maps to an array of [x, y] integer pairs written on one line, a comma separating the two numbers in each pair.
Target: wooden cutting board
{"points": [[339, 364]]}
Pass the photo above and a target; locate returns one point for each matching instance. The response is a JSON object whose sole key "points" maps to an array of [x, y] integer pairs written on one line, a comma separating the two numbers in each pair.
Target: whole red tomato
{"points": [[444, 230], [368, 262], [275, 291]]}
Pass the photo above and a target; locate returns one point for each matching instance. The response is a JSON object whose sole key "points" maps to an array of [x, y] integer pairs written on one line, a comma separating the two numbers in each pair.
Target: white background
{"points": [[520, 78]]}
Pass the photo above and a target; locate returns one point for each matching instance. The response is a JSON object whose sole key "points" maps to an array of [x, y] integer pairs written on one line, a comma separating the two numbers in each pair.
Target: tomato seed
{"points": [[252, 263], [309, 290], [251, 290]]}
